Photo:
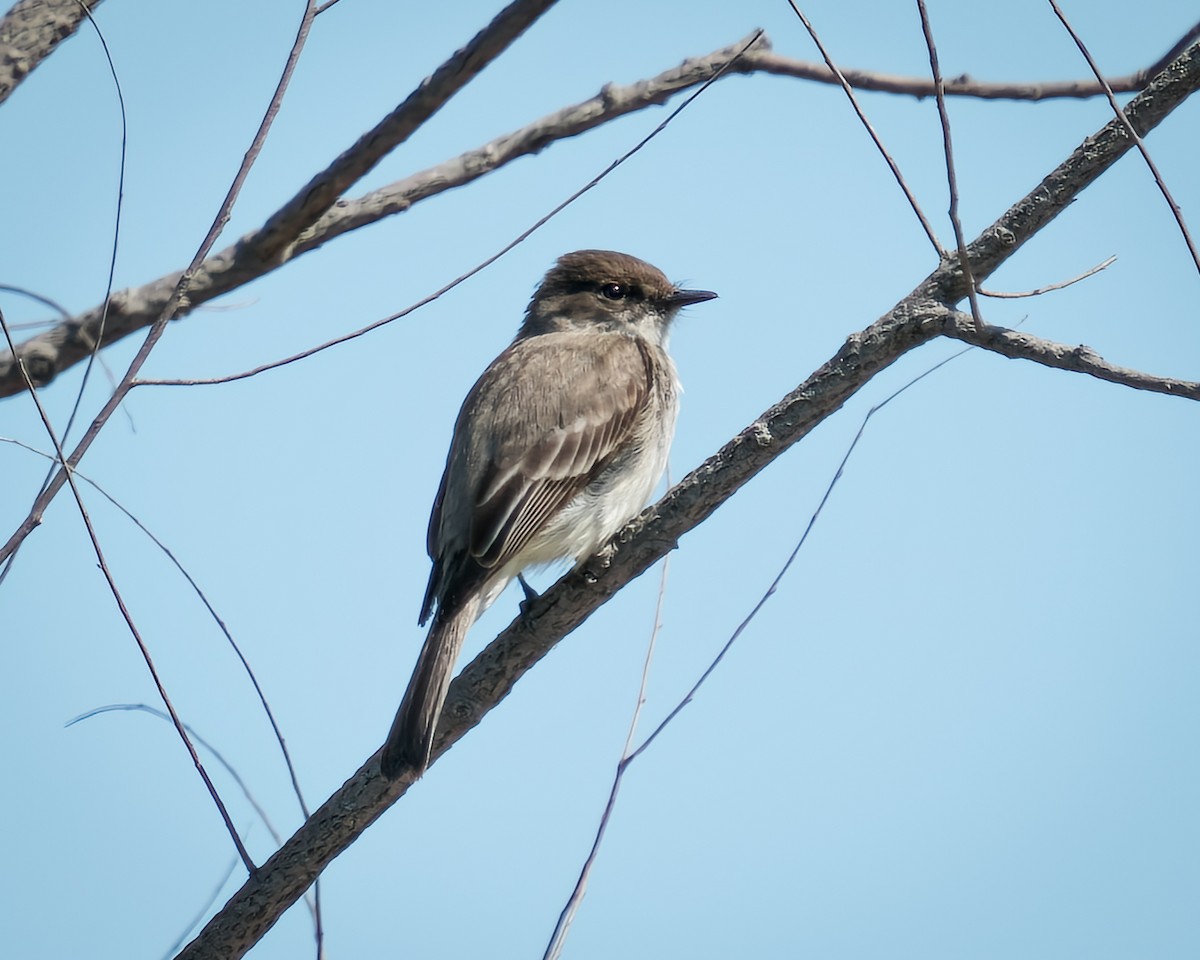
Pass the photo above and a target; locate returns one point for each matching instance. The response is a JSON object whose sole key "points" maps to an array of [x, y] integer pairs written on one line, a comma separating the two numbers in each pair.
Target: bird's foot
{"points": [[530, 594], [600, 562]]}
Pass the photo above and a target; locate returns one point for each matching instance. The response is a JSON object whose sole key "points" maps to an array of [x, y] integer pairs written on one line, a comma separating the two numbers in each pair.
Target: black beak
{"points": [[682, 298]]}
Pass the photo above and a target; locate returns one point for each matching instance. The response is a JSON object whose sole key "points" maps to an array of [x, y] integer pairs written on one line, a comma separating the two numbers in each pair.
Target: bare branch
{"points": [[924, 314], [773, 586], [1088, 161], [1112, 102], [446, 80], [175, 298], [67, 471], [53, 351], [31, 31], [212, 612], [1018, 345], [1060, 285], [320, 193], [94, 356], [566, 917], [763, 61], [939, 86], [446, 288], [862, 116]]}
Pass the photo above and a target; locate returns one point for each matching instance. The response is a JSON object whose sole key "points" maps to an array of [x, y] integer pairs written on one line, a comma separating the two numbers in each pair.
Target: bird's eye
{"points": [[613, 291]]}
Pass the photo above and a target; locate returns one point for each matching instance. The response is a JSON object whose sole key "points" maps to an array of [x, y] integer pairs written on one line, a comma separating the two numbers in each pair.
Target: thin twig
{"points": [[202, 912], [960, 240], [323, 190], [45, 301], [873, 81], [177, 296], [862, 116], [628, 756], [1062, 284], [1176, 212], [34, 324], [559, 937], [49, 354], [65, 316], [116, 234], [279, 231], [112, 261], [774, 585], [64, 474], [484, 264], [94, 354], [212, 612], [196, 738], [62, 312], [313, 905], [69, 472]]}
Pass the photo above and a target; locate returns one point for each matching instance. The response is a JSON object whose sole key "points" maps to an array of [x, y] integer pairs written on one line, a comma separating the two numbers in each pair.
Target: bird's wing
{"points": [[570, 402]]}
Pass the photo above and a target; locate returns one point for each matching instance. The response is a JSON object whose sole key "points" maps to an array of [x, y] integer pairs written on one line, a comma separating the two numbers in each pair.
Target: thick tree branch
{"points": [[31, 31], [925, 313], [257, 254]]}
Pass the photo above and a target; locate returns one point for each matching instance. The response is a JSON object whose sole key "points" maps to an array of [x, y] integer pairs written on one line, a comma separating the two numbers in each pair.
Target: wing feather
{"points": [[573, 403], [542, 422]]}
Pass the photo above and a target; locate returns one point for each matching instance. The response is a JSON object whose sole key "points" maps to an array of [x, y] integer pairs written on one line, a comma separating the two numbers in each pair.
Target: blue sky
{"points": [[965, 726]]}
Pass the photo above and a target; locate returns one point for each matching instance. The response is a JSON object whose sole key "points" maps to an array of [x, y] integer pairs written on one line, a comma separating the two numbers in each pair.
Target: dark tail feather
{"points": [[411, 737]]}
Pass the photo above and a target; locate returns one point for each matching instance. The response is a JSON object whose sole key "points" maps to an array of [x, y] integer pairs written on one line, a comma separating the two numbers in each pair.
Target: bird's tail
{"points": [[411, 737]]}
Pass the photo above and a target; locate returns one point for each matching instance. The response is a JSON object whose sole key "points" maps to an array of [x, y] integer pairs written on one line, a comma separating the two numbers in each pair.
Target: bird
{"points": [[558, 445]]}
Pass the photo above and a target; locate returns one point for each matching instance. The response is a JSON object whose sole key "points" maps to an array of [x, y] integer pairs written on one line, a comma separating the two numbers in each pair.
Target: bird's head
{"points": [[612, 291]]}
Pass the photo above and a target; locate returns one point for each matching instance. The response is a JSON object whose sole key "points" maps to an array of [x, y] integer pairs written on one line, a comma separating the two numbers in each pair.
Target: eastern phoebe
{"points": [[557, 446]]}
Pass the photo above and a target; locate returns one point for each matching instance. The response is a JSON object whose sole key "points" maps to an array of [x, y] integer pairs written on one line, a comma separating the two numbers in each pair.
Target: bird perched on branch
{"points": [[557, 446]]}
